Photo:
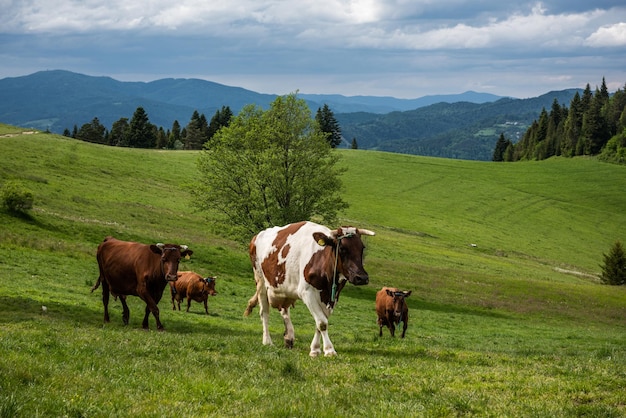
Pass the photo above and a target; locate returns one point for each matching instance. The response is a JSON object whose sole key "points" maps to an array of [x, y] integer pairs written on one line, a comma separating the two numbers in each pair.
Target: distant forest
{"points": [[138, 132], [594, 124]]}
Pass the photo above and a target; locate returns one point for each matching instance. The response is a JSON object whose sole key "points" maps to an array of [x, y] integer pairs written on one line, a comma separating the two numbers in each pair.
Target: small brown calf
{"points": [[392, 309], [192, 286]]}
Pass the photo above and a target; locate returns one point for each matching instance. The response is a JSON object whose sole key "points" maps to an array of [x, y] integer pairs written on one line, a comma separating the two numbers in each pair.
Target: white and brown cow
{"points": [[309, 262]]}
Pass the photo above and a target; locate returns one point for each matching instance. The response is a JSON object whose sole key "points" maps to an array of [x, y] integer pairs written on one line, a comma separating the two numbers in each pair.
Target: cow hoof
{"points": [[314, 354], [332, 353], [289, 343]]}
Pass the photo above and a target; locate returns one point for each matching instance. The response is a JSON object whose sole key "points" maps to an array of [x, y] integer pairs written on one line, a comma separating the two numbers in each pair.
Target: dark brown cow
{"points": [[392, 309], [192, 286], [131, 268]]}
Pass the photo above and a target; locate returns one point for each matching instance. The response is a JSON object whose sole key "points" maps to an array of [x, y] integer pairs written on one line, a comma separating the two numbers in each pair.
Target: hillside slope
{"points": [[452, 130], [506, 315]]}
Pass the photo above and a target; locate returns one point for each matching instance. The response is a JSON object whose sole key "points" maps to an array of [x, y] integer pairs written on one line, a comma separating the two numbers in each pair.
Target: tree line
{"points": [[594, 124], [138, 132]]}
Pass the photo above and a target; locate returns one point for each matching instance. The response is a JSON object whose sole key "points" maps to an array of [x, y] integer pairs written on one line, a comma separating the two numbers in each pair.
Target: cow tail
{"points": [[254, 300], [96, 285]]}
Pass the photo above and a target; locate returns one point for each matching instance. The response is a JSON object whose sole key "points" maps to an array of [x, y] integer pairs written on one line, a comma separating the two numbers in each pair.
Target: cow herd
{"points": [[301, 261]]}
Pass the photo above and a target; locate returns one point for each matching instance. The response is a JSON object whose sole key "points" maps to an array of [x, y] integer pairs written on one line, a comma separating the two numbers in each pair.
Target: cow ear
{"points": [[186, 254], [407, 294], [158, 248], [389, 292], [322, 239]]}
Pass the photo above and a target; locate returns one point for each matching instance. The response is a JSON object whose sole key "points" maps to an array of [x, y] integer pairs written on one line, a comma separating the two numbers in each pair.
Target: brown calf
{"points": [[392, 309], [192, 286]]}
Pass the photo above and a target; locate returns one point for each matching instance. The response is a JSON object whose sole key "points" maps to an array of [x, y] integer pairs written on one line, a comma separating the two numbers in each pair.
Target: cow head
{"points": [[170, 258], [347, 245], [398, 302], [209, 285]]}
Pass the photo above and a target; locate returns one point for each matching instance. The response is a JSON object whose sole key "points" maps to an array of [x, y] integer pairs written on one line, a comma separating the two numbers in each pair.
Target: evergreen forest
{"points": [[594, 124]]}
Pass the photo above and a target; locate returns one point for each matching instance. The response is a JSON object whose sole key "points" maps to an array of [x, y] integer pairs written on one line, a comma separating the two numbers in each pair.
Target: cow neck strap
{"points": [[333, 292]]}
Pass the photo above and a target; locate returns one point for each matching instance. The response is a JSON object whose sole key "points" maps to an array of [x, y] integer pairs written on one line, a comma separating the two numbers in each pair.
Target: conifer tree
{"points": [[329, 125], [141, 133], [196, 131], [501, 145], [175, 135], [614, 268], [221, 118]]}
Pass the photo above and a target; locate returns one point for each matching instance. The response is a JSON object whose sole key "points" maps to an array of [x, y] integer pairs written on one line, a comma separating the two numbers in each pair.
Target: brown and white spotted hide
{"points": [[309, 262]]}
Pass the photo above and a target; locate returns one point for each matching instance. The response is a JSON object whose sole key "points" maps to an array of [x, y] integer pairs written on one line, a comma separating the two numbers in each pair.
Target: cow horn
{"points": [[160, 245], [365, 232], [184, 248]]}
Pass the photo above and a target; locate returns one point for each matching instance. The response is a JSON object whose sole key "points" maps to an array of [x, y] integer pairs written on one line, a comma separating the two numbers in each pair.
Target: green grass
{"points": [[517, 325]]}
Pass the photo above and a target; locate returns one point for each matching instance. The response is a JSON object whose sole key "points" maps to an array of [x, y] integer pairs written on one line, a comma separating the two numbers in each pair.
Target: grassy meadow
{"points": [[507, 315]]}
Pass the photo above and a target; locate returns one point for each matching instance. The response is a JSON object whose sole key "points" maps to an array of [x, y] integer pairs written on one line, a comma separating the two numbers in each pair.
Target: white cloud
{"points": [[608, 36], [408, 47]]}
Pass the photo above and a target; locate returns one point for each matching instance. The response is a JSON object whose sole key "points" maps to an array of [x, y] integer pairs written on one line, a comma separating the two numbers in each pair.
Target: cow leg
{"points": [[289, 332], [206, 308], [125, 310], [392, 328], [105, 300], [380, 326], [322, 331], [321, 327], [404, 327], [264, 313], [188, 303], [151, 306], [315, 344]]}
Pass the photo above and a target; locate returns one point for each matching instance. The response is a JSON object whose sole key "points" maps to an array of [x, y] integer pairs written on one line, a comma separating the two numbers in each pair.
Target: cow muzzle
{"points": [[171, 277], [360, 280]]}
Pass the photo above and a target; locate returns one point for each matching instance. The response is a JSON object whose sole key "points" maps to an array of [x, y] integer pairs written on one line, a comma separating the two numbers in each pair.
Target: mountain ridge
{"points": [[465, 125]]}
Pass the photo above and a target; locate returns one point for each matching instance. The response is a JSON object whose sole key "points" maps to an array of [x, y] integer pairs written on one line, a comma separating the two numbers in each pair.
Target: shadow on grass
{"points": [[366, 293], [22, 309]]}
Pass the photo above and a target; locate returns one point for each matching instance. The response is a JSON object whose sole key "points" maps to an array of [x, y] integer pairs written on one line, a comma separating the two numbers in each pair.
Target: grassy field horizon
{"points": [[507, 315]]}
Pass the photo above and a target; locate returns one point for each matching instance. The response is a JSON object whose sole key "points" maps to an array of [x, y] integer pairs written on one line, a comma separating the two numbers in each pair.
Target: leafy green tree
{"points": [[141, 133], [16, 198], [119, 133], [268, 168], [615, 150], [614, 268], [93, 131], [329, 125]]}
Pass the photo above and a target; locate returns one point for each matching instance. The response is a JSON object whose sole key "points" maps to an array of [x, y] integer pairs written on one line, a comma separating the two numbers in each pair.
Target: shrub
{"points": [[614, 268], [16, 198]]}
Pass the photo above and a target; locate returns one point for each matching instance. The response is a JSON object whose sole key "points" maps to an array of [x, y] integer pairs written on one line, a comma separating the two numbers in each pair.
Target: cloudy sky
{"points": [[400, 48]]}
